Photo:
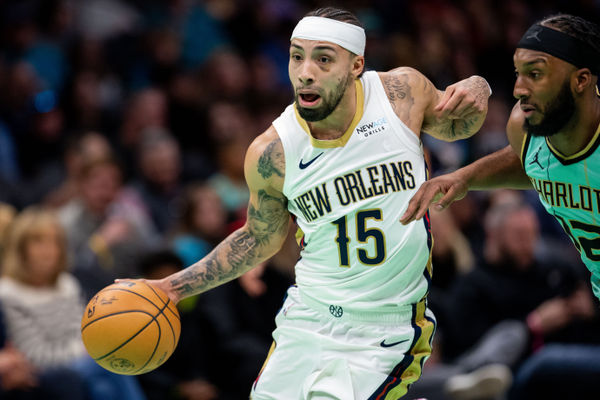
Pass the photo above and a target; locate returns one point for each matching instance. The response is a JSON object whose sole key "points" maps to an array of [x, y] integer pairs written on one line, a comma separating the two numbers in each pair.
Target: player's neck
{"points": [[580, 130], [336, 124]]}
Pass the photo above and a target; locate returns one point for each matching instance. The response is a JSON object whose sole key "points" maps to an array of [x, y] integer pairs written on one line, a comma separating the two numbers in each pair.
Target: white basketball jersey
{"points": [[347, 196]]}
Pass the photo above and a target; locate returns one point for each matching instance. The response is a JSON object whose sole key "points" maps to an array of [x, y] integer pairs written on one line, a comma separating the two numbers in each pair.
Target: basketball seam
{"points": [[168, 299], [145, 298], [131, 338], [175, 338], [155, 346], [114, 313]]}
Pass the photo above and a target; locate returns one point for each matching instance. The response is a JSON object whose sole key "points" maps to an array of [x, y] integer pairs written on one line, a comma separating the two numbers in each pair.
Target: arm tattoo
{"points": [[230, 259], [193, 278], [270, 217], [398, 91], [240, 251], [271, 161], [243, 250], [452, 129], [463, 127], [467, 126]]}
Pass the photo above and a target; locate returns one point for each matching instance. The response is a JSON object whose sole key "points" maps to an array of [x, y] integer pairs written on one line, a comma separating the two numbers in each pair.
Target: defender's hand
{"points": [[464, 98], [443, 190]]}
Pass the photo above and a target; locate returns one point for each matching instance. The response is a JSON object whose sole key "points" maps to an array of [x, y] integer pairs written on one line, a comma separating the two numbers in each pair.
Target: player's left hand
{"points": [[463, 99]]}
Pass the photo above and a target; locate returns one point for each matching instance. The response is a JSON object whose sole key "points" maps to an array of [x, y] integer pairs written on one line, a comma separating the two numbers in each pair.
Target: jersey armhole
{"points": [[413, 138]]}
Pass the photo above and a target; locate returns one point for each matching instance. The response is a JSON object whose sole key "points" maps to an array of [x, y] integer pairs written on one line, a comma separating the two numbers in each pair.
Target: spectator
{"points": [[19, 380], [158, 183], [211, 73], [229, 180], [146, 109], [7, 215], [497, 301], [202, 223], [43, 305], [186, 374], [104, 233], [241, 313], [81, 150]]}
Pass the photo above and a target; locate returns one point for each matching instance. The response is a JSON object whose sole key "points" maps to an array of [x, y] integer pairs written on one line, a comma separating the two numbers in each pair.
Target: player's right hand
{"points": [[442, 190], [162, 284]]}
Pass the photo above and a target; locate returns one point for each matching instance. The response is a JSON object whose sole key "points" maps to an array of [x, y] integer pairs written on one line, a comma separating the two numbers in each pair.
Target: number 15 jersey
{"points": [[347, 196]]}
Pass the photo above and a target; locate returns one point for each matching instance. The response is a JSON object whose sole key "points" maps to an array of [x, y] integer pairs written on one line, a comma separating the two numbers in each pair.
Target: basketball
{"points": [[130, 327]]}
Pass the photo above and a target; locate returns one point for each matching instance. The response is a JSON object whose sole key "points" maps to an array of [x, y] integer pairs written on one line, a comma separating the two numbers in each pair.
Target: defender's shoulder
{"points": [[515, 131]]}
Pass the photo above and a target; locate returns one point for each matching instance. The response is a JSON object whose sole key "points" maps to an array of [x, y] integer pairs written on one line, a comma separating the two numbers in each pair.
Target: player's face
{"points": [[544, 92], [320, 73]]}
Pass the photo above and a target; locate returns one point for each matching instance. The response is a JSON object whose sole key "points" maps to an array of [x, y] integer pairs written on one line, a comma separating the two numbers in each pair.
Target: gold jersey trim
{"points": [[580, 155]]}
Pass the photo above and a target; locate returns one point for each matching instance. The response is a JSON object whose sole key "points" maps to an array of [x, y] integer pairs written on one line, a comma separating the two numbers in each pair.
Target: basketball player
{"points": [[343, 161], [553, 132]]}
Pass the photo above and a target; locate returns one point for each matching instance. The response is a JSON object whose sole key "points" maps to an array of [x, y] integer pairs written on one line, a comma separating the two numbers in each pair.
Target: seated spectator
{"points": [[157, 184], [201, 224], [81, 150], [229, 181], [486, 330], [19, 380], [241, 313], [42, 304], [559, 371], [105, 232], [187, 374], [7, 215]]}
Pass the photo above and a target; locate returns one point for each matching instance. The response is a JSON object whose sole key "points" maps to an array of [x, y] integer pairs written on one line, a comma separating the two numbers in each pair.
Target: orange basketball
{"points": [[130, 327]]}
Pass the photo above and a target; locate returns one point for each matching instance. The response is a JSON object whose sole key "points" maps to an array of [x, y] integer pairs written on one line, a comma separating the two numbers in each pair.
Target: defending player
{"points": [[554, 134], [343, 160]]}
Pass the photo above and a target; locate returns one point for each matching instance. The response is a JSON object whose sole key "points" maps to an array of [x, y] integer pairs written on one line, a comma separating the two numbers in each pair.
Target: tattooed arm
{"points": [[261, 237], [456, 113]]}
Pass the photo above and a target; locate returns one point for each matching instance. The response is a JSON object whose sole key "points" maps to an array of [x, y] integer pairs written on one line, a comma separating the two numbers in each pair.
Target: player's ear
{"points": [[358, 64], [582, 79]]}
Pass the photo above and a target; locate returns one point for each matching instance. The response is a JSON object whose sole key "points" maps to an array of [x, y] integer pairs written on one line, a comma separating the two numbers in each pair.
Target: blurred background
{"points": [[130, 120]]}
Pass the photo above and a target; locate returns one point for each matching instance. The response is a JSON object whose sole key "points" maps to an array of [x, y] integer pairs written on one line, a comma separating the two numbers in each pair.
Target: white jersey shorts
{"points": [[321, 351]]}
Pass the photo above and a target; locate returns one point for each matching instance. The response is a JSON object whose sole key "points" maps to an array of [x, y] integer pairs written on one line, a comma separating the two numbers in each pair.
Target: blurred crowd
{"points": [[123, 130]]}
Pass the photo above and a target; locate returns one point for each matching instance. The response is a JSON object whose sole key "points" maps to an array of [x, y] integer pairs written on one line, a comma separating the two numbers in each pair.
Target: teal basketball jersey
{"points": [[569, 189]]}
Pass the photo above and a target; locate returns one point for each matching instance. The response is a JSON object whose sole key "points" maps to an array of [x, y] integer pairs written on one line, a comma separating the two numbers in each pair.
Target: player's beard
{"points": [[556, 115], [328, 105]]}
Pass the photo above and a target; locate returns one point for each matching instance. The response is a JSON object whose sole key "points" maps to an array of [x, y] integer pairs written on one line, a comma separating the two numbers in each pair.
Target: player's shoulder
{"points": [[408, 85], [515, 130], [396, 77], [266, 146], [265, 159], [401, 71]]}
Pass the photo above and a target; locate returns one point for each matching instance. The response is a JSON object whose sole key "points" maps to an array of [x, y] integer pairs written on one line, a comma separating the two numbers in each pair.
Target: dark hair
{"points": [[152, 260], [335, 13], [586, 31]]}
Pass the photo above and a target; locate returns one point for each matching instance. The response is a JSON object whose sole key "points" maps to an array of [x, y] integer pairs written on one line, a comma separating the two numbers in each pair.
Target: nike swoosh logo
{"points": [[305, 165], [384, 344]]}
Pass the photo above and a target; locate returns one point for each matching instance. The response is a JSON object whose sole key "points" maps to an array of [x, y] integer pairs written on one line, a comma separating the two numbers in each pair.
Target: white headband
{"points": [[350, 37]]}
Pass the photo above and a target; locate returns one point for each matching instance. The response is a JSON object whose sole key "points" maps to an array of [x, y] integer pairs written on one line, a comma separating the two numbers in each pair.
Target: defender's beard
{"points": [[556, 115]]}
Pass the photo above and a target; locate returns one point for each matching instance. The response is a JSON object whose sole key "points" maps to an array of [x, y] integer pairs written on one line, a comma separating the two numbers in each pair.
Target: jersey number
{"points": [[591, 247], [362, 235]]}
